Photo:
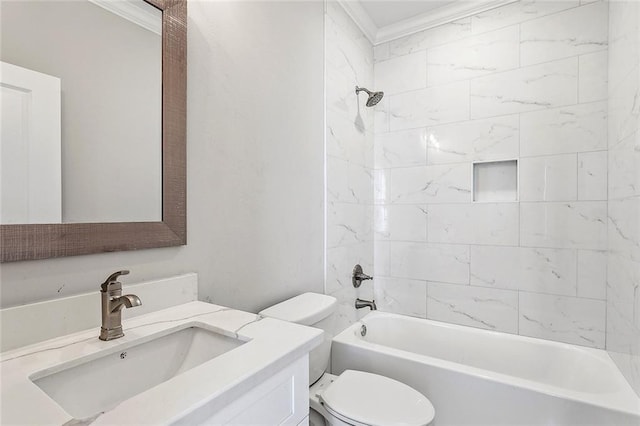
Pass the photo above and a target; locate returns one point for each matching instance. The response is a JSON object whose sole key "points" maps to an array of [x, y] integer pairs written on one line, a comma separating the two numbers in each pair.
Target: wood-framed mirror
{"points": [[49, 240]]}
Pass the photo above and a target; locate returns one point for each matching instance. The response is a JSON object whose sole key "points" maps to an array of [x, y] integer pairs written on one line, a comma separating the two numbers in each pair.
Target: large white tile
{"points": [[592, 175], [381, 52], [347, 50], [348, 182], [623, 276], [401, 296], [381, 228], [624, 168], [481, 223], [486, 308], [346, 140], [580, 224], [432, 37], [564, 319], [544, 86], [624, 227], [474, 56], [340, 263], [382, 186], [381, 116], [341, 99], [516, 13], [346, 313], [592, 274], [561, 35], [407, 222], [575, 128], [401, 223], [623, 279], [434, 262], [624, 108], [473, 140], [428, 107], [339, 91], [449, 183], [622, 334], [400, 74], [549, 178], [538, 270], [624, 48], [401, 149], [592, 77], [381, 257], [341, 20], [348, 224]]}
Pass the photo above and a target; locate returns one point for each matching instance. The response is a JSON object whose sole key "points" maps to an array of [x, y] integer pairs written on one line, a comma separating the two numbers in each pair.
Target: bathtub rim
{"points": [[624, 400]]}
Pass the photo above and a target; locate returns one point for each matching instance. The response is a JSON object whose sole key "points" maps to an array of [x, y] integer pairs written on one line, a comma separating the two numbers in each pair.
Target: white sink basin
{"points": [[100, 384]]}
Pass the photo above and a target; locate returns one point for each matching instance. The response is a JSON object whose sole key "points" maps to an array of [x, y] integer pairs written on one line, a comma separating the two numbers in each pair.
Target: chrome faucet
{"points": [[112, 303], [371, 304]]}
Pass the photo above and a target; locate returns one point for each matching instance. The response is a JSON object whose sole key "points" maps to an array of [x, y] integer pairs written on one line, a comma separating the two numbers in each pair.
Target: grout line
{"points": [[490, 117], [577, 271], [518, 313]]}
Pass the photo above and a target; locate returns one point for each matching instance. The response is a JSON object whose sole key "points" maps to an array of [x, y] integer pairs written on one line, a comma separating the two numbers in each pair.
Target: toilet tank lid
{"points": [[305, 309]]}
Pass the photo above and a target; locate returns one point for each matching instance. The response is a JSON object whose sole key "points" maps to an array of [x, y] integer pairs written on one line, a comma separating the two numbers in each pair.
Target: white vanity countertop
{"points": [[271, 345]]}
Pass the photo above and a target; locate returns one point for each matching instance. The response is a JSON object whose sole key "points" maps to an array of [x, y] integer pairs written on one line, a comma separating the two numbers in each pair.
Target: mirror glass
{"points": [[81, 111]]}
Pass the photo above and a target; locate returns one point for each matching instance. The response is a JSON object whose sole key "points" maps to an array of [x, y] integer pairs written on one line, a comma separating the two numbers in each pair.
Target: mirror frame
{"points": [[42, 241]]}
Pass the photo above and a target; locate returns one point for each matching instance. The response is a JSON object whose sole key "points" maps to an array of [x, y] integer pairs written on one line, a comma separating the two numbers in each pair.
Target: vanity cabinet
{"points": [[281, 399]]}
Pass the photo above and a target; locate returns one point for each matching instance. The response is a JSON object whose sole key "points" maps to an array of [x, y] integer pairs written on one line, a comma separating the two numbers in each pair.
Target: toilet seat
{"points": [[365, 399]]}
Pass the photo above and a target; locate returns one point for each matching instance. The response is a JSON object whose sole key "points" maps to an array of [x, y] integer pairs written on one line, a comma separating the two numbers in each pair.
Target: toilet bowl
{"points": [[355, 398]]}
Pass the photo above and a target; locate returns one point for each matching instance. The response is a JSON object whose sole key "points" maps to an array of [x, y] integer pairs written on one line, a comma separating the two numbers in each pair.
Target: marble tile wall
{"points": [[349, 160], [623, 272], [526, 81]]}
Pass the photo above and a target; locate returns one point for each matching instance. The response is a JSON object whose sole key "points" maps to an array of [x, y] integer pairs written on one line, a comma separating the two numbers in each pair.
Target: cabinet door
{"points": [[282, 399]]}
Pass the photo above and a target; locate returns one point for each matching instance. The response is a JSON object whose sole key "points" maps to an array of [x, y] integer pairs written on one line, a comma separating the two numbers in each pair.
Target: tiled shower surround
{"points": [[547, 83], [623, 284], [525, 81], [349, 148]]}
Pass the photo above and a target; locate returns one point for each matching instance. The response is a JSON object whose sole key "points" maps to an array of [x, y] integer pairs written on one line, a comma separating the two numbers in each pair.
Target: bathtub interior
{"points": [[494, 362], [562, 365]]}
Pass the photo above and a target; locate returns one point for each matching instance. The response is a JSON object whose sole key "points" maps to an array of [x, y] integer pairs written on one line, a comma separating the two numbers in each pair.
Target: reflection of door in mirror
{"points": [[107, 56], [30, 174]]}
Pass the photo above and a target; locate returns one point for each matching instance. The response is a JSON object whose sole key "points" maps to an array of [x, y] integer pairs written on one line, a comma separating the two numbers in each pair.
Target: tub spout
{"points": [[371, 304]]}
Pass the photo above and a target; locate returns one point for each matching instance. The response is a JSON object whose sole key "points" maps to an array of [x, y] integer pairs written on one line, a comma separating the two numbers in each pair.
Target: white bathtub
{"points": [[479, 377]]}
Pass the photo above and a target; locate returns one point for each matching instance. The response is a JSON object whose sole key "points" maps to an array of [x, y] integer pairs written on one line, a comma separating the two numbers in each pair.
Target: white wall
{"points": [[623, 283], [255, 166], [349, 139], [526, 81]]}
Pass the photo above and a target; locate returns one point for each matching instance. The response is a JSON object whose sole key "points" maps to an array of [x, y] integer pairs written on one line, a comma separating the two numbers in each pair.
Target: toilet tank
{"points": [[313, 310]]}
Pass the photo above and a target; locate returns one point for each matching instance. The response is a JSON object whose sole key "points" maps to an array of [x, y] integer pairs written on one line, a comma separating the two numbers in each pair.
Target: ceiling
{"points": [[387, 12], [385, 20]]}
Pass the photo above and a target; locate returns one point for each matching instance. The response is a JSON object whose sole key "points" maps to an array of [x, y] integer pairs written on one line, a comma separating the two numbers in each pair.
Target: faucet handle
{"points": [[358, 276], [112, 279]]}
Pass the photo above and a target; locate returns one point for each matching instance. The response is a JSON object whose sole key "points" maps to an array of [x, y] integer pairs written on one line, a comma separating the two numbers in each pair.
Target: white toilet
{"points": [[354, 397]]}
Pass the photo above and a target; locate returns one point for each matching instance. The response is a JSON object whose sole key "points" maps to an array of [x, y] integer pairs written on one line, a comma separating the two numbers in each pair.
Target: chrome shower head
{"points": [[374, 97]]}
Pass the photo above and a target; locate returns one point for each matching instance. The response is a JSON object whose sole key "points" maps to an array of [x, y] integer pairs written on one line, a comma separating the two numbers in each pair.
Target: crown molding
{"points": [[362, 19], [139, 12], [424, 21]]}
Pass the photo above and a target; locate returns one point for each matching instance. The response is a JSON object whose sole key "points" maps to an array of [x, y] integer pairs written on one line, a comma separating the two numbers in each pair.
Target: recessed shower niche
{"points": [[495, 181]]}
